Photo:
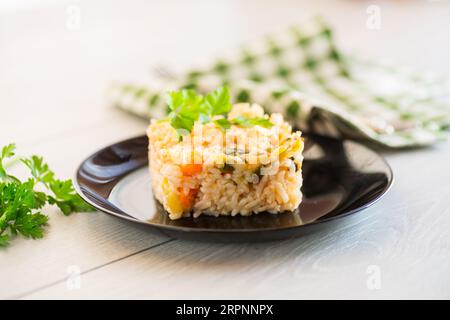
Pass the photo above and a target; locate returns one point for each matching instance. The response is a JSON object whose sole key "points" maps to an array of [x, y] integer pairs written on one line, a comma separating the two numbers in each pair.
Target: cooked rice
{"points": [[243, 170]]}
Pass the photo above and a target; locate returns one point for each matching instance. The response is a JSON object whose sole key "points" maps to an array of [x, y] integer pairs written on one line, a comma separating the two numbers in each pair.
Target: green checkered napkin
{"points": [[303, 75]]}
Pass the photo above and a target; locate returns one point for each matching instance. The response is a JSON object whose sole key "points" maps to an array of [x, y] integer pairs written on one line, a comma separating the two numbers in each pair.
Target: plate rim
{"points": [[127, 217]]}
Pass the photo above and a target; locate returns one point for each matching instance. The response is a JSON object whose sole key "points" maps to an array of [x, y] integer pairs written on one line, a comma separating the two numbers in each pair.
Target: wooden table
{"points": [[52, 80]]}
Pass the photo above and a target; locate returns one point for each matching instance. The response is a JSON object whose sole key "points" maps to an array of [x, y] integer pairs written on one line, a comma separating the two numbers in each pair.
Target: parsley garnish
{"points": [[250, 122], [186, 107], [20, 202], [225, 124]]}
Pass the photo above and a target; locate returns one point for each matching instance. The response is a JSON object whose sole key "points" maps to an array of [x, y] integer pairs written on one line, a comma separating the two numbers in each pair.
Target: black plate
{"points": [[341, 177]]}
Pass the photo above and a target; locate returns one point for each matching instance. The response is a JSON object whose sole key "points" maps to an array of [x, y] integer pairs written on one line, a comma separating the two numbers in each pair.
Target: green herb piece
{"points": [[39, 170], [250, 122], [20, 201], [243, 121], [7, 152], [18, 215], [218, 101], [64, 194], [66, 198], [223, 123], [186, 107]]}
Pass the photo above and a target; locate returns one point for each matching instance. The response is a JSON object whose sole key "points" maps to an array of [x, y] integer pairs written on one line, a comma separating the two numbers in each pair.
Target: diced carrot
{"points": [[190, 169], [187, 200]]}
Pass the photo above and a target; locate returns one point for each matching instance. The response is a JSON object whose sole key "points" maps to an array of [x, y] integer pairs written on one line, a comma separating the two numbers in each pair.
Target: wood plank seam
{"points": [[32, 291]]}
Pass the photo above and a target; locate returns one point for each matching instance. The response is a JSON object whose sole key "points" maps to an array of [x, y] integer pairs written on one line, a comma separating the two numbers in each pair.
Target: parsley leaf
{"points": [[218, 101], [181, 123], [66, 198], [30, 225], [7, 152], [250, 122], [223, 123], [186, 107], [64, 194], [243, 121], [20, 202], [39, 170]]}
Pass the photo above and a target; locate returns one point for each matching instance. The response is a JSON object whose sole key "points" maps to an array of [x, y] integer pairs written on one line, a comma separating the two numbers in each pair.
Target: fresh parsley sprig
{"points": [[7, 152], [186, 107], [63, 193], [244, 122], [20, 202]]}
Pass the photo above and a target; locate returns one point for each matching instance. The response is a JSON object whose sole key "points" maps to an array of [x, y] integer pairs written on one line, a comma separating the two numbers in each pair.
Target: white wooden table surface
{"points": [[52, 81]]}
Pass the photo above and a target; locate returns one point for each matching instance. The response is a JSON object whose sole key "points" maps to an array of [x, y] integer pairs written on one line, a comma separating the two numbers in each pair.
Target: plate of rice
{"points": [[218, 171]]}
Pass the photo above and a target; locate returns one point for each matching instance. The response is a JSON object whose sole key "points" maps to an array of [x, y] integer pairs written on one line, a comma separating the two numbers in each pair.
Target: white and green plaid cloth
{"points": [[303, 75]]}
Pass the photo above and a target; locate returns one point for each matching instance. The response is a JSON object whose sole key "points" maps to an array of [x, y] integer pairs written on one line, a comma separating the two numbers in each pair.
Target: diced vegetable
{"points": [[173, 202], [190, 169], [187, 200]]}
